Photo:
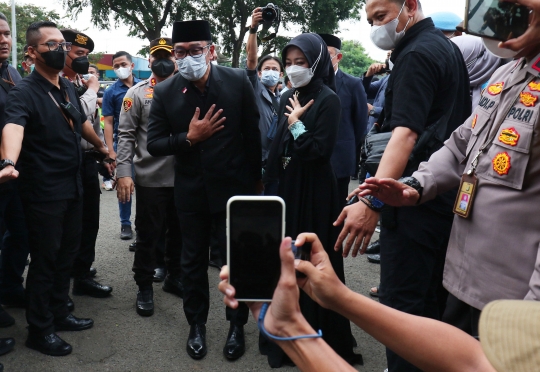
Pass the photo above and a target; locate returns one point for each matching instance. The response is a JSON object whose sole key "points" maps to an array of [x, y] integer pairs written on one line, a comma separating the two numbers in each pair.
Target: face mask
{"points": [[163, 67], [386, 37], [80, 65], [54, 59], [301, 76], [390, 65], [214, 63], [123, 72], [493, 47], [32, 68], [270, 78], [191, 68], [334, 65]]}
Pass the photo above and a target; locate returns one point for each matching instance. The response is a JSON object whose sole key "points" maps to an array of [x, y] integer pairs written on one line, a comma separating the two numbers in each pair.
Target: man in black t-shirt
{"points": [[429, 86], [44, 123]]}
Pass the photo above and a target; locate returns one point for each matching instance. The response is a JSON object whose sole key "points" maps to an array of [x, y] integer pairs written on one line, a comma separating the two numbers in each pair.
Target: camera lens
{"points": [[269, 14]]}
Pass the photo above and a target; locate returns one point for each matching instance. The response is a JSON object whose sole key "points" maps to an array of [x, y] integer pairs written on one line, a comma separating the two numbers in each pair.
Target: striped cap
{"points": [[510, 335]]}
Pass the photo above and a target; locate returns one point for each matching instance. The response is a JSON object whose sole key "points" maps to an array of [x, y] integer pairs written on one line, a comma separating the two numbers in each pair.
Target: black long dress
{"points": [[308, 186]]}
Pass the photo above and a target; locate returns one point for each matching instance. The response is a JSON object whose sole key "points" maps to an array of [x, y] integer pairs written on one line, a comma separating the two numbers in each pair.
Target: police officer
{"points": [[353, 124], [154, 182], [494, 159], [215, 138], [77, 64], [42, 136]]}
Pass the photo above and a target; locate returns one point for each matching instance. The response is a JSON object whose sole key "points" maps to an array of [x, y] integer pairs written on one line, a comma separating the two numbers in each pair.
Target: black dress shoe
{"points": [[14, 300], [159, 274], [196, 343], [374, 258], [133, 246], [6, 320], [90, 287], [93, 272], [49, 345], [235, 345], [216, 262], [145, 302], [172, 284], [126, 233], [70, 305], [374, 248], [72, 323], [6, 345]]}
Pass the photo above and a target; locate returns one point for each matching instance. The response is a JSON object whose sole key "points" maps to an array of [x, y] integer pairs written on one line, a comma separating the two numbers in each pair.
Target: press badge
{"points": [[465, 197]]}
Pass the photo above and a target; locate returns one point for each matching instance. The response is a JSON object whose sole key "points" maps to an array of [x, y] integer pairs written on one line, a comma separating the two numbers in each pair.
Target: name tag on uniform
{"points": [[465, 197]]}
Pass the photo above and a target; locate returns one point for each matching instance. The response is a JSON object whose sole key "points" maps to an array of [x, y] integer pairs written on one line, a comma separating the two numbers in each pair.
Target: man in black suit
{"points": [[211, 126], [353, 124]]}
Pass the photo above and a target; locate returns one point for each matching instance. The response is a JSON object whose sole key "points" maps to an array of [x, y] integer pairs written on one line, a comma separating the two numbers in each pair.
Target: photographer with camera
{"points": [[264, 75]]}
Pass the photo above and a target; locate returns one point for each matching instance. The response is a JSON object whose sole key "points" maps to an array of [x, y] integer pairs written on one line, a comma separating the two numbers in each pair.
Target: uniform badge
{"points": [[495, 89], [127, 104], [474, 120], [534, 86], [149, 90], [509, 136], [149, 95], [79, 39], [162, 41], [153, 82], [501, 163], [528, 99]]}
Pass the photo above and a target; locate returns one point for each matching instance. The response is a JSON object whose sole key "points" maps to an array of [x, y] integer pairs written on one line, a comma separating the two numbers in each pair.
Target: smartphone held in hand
{"points": [[495, 19], [255, 229]]}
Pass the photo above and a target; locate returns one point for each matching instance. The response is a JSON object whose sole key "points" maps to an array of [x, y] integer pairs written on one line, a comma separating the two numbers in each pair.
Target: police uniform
{"points": [[494, 253], [154, 183], [83, 284]]}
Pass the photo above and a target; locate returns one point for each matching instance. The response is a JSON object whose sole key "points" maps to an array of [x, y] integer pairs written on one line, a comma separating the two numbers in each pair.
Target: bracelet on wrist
{"points": [[253, 30], [260, 324], [372, 203]]}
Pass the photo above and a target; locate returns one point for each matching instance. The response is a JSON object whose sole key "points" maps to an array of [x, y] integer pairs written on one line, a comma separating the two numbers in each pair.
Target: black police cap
{"points": [[188, 31], [331, 40], [162, 43], [79, 39]]}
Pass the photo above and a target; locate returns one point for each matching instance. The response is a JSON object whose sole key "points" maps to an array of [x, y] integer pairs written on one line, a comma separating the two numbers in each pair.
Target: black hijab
{"points": [[312, 45]]}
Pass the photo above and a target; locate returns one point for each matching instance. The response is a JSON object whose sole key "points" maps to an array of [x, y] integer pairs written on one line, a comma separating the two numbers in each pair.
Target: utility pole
{"points": [[13, 36]]}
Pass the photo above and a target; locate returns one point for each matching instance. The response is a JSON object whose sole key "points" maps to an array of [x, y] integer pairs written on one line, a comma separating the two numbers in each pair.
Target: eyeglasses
{"points": [[194, 52], [54, 46]]}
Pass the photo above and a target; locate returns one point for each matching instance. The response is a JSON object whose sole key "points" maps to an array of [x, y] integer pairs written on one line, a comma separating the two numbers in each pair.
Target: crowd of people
{"points": [[461, 118]]}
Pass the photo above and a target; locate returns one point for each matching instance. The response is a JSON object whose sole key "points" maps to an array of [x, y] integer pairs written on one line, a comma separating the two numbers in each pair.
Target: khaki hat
{"points": [[510, 335]]}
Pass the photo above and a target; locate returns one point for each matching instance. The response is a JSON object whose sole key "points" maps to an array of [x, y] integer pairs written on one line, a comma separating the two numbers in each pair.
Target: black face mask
{"points": [[55, 59], [80, 65], [163, 67]]}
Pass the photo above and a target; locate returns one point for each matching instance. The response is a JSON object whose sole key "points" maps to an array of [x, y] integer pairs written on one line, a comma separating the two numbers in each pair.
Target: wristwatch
{"points": [[414, 183], [253, 30], [371, 112], [5, 162]]}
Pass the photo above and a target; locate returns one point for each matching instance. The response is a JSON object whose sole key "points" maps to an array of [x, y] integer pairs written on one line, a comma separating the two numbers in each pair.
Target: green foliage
{"points": [[94, 58], [355, 59], [25, 15]]}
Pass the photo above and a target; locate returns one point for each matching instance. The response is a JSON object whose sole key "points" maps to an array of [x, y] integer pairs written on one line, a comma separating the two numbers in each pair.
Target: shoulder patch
{"points": [[127, 104]]}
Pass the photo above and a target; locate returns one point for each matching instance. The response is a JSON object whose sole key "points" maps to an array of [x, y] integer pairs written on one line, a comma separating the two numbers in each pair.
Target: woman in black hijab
{"points": [[299, 161]]}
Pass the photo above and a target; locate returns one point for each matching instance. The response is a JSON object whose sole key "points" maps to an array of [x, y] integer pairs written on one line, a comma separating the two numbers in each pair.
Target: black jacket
{"points": [[224, 165]]}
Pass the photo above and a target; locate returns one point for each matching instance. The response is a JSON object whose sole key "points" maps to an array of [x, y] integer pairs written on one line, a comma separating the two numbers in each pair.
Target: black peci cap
{"points": [[187, 31], [162, 43], [331, 40], [78, 39]]}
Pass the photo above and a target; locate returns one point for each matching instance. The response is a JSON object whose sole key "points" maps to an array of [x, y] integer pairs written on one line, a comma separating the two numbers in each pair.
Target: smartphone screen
{"points": [[255, 232], [496, 19]]}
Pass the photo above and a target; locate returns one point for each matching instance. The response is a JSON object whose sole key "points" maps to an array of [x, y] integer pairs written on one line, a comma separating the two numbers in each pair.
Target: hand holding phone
{"points": [[302, 252], [495, 19]]}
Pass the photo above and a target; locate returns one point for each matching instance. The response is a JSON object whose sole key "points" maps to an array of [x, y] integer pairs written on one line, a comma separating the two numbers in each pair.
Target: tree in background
{"points": [[25, 16], [355, 59]]}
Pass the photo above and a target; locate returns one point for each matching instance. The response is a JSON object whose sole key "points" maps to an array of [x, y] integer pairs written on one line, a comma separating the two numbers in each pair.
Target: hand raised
{"points": [[200, 130], [389, 191], [296, 110]]}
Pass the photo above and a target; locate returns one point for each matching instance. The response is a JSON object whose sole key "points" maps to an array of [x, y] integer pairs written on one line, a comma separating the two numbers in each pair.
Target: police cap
{"points": [[79, 39]]}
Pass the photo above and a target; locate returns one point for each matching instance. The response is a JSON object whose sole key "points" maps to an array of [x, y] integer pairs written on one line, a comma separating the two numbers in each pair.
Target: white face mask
{"points": [[214, 63], [493, 47], [192, 68], [123, 72], [334, 65], [301, 76], [386, 37], [390, 65]]}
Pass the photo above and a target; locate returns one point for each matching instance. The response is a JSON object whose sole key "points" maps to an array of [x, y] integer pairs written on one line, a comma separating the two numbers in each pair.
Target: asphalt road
{"points": [[123, 341]]}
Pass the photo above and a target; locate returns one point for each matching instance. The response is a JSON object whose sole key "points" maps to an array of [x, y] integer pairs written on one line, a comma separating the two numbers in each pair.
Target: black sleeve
{"points": [[17, 108], [359, 111], [250, 130], [413, 91], [318, 142]]}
